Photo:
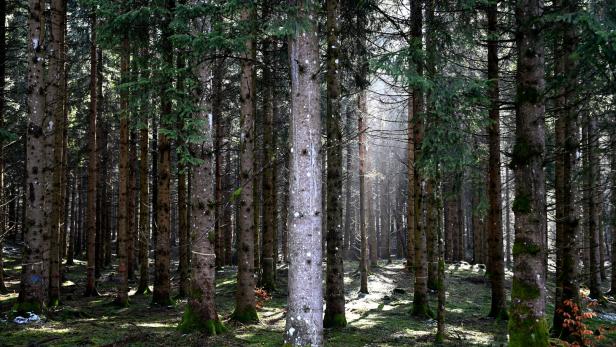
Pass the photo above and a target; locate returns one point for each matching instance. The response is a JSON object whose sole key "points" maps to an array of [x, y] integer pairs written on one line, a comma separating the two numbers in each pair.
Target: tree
{"points": [[527, 324], [304, 324], [245, 305], [567, 143], [162, 283], [363, 258], [122, 293], [35, 267], [200, 313], [92, 167], [334, 295], [3, 223], [495, 226]]}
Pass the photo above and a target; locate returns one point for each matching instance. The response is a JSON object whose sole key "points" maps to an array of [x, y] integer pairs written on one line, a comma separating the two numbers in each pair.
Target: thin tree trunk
{"points": [[144, 208], [219, 227], [495, 226], [184, 236], [527, 324], [304, 325], [122, 233], [363, 261], [348, 209], [92, 168], [3, 222], [593, 208]]}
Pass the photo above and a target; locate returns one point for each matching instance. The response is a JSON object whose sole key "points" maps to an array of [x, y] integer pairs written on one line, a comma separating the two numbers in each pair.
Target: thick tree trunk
{"points": [[334, 295], [363, 258], [527, 323], [496, 266], [92, 168], [567, 143], [162, 282], [122, 233], [35, 269], [304, 326], [245, 305], [200, 313]]}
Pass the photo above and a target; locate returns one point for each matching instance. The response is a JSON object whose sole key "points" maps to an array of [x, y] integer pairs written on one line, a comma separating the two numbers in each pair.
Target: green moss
{"points": [[337, 320], [192, 322], [245, 315], [525, 332], [523, 291], [521, 204], [22, 308], [525, 247]]}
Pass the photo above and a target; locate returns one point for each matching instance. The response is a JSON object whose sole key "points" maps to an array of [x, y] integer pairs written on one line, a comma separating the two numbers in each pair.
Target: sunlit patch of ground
{"points": [[380, 318]]}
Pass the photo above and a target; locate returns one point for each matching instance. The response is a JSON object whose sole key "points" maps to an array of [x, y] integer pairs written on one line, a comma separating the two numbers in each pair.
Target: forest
{"points": [[308, 173]]}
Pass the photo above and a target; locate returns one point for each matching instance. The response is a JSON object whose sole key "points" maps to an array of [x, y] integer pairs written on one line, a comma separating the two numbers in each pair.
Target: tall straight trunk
{"points": [[184, 236], [162, 282], [527, 323], [101, 178], [592, 172], [496, 264], [144, 209], [363, 258], [3, 222], [348, 209], [334, 295], [227, 211], [440, 311], [410, 215], [371, 217], [567, 143], [284, 205], [420, 296], [35, 270], [71, 237], [56, 108], [219, 128], [268, 281], [613, 219], [92, 167], [200, 313], [245, 304], [507, 219], [132, 203], [122, 233], [431, 235], [304, 325]]}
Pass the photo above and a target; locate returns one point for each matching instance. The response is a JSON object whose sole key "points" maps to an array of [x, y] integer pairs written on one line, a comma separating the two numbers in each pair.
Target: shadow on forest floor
{"points": [[380, 318]]}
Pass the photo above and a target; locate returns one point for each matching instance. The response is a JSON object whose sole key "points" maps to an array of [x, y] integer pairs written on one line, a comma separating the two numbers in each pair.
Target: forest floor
{"points": [[380, 318]]}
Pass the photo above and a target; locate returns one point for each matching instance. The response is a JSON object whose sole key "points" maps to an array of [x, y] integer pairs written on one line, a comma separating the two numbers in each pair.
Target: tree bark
{"points": [[496, 264], [592, 172], [527, 323], [35, 269], [3, 221], [363, 259], [567, 143], [122, 233], [304, 325], [334, 295], [92, 168], [245, 304]]}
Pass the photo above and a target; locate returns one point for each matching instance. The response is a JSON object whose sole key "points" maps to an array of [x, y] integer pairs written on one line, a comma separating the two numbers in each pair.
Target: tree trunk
{"points": [[184, 236], [363, 259], [144, 215], [592, 172], [200, 313], [218, 120], [496, 267], [613, 219], [35, 270], [334, 295], [527, 323], [304, 326], [122, 233], [162, 283], [3, 222], [269, 184], [567, 143], [92, 168], [348, 209], [245, 304]]}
